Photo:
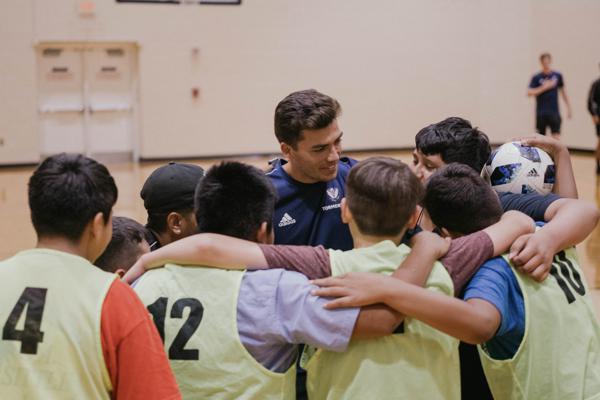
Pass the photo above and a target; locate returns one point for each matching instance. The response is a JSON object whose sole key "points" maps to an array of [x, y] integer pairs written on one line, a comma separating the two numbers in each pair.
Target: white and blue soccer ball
{"points": [[515, 168]]}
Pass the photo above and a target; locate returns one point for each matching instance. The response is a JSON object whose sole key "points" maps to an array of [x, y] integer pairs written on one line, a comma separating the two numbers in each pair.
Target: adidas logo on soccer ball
{"points": [[533, 173], [286, 220]]}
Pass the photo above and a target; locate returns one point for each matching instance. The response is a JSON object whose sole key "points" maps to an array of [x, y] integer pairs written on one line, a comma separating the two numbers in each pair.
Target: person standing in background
{"points": [[594, 109], [545, 86]]}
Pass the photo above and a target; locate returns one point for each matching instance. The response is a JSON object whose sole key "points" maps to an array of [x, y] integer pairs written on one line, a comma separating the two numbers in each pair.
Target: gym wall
{"points": [[395, 66]]}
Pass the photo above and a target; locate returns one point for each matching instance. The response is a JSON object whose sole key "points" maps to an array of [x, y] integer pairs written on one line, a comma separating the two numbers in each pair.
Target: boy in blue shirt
{"points": [[494, 311]]}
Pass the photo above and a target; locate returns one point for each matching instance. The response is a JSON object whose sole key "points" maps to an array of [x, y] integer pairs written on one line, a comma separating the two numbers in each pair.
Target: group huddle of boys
{"points": [[378, 319]]}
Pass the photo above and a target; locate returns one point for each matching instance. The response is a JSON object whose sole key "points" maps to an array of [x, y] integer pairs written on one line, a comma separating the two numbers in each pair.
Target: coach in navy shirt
{"points": [[310, 184], [545, 87]]}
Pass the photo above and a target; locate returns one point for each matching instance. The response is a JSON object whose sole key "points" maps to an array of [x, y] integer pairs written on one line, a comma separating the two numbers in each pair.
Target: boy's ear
{"points": [[264, 235], [174, 221], [345, 211], [100, 233], [97, 225], [414, 218], [120, 272]]}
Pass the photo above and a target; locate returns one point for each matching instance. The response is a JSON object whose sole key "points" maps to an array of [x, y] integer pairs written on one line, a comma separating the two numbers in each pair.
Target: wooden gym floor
{"points": [[17, 233]]}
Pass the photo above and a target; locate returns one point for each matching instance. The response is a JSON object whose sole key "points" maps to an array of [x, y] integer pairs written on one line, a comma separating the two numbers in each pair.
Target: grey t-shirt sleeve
{"points": [[532, 204], [276, 311]]}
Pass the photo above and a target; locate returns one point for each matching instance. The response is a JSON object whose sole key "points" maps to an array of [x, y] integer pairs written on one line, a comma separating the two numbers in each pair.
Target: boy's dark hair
{"points": [[455, 140], [123, 250], [458, 199], [545, 55], [234, 199], [66, 191], [306, 109], [382, 193]]}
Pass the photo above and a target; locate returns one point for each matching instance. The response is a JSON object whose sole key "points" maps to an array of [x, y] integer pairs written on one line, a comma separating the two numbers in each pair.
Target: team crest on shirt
{"points": [[333, 193]]}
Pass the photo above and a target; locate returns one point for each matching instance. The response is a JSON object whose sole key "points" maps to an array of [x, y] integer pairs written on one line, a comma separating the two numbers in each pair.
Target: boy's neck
{"points": [[361, 240], [61, 244]]}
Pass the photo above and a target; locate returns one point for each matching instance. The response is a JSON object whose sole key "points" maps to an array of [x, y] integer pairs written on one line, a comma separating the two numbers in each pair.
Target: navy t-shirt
{"points": [[547, 102], [532, 204], [309, 213]]}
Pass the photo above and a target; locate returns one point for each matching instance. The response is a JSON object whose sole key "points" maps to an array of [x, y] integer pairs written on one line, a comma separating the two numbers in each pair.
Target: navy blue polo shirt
{"points": [[547, 102], [309, 213]]}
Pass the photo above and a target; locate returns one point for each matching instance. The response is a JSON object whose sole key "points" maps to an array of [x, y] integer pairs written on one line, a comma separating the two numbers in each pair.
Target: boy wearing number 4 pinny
{"points": [[70, 330], [536, 340]]}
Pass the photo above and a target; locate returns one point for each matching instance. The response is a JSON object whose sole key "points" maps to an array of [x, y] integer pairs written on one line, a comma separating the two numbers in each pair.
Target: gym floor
{"points": [[18, 234]]}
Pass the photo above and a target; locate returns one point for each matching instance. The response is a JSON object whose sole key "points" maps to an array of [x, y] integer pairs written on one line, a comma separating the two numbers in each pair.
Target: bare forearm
{"points": [[512, 225], [564, 185], [447, 314], [417, 266], [570, 222], [207, 249], [565, 98], [532, 92], [376, 321]]}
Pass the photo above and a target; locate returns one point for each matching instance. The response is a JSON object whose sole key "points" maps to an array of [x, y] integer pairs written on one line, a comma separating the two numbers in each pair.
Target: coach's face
{"points": [[316, 156], [425, 165]]}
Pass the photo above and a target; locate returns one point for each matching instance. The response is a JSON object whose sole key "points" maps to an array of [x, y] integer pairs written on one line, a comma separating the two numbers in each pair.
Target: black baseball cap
{"points": [[171, 187]]}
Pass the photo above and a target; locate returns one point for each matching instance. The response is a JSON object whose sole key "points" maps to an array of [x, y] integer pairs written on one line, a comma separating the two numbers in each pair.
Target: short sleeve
{"points": [[308, 260], [534, 82], [133, 352], [299, 317], [532, 204], [493, 283], [465, 256], [561, 81]]}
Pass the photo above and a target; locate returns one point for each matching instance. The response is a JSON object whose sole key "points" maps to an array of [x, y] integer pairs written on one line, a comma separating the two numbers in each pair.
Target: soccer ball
{"points": [[515, 168]]}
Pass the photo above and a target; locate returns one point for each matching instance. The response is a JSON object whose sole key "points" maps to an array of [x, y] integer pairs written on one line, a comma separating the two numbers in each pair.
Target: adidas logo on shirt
{"points": [[533, 173], [286, 220]]}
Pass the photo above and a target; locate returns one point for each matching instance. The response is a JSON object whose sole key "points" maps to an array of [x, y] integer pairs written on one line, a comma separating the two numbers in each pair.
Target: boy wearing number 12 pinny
{"points": [[232, 334]]}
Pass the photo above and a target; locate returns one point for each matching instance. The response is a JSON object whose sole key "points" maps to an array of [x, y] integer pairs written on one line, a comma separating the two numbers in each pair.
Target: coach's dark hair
{"points": [[306, 109], [123, 250], [458, 199], [545, 55], [234, 199], [382, 193], [455, 140], [66, 191]]}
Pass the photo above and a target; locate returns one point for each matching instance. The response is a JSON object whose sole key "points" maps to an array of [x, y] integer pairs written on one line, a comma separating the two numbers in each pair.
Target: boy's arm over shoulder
{"points": [[133, 352], [472, 322], [207, 249], [468, 253], [300, 317], [314, 262], [570, 221]]}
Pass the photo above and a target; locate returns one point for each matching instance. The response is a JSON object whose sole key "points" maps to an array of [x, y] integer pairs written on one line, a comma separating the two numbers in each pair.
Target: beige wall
{"points": [[394, 65], [18, 139]]}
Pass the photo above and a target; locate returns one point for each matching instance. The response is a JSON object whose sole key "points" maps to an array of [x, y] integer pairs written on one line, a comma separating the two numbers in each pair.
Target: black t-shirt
{"points": [[532, 204], [547, 102]]}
